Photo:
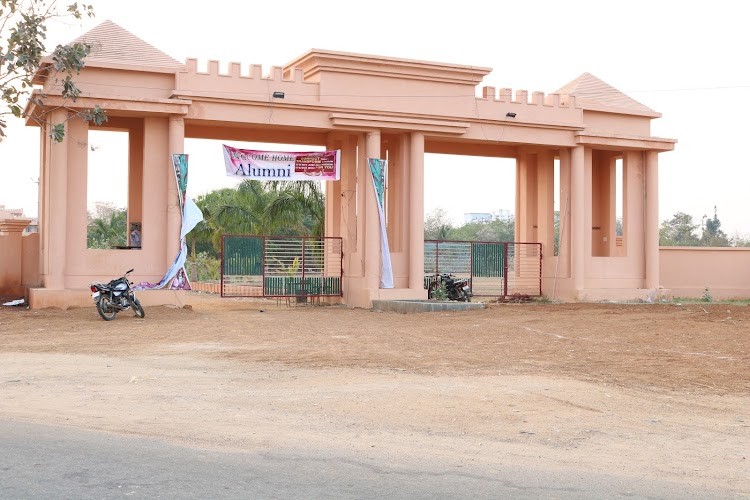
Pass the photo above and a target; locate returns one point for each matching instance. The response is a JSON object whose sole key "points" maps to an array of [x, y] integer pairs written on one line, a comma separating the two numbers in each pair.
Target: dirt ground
{"points": [[655, 391]]}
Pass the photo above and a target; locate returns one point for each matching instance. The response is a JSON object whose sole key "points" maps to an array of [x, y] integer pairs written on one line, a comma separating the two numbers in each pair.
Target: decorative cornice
{"points": [[595, 138], [372, 121], [317, 61]]}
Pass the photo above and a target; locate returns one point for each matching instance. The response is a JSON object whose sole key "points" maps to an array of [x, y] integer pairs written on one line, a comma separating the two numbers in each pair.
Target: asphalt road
{"points": [[40, 461]]}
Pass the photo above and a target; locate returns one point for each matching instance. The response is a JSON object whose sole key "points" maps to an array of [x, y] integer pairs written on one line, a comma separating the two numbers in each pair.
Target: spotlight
{"points": [[278, 95], [509, 115]]}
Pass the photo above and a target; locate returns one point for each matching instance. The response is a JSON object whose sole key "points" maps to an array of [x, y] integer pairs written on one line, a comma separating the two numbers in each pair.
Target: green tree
{"points": [[712, 235], [679, 231], [297, 207], [254, 207], [497, 229], [437, 225], [23, 31], [107, 226], [739, 240]]}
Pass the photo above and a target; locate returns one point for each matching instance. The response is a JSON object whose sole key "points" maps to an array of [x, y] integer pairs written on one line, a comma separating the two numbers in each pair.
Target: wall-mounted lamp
{"points": [[510, 115], [278, 95]]}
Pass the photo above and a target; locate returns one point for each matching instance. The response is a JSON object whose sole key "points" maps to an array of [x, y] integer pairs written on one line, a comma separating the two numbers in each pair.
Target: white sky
{"points": [[683, 59]]}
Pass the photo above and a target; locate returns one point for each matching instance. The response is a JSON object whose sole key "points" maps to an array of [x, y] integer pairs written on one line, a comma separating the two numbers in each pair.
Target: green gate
{"points": [[271, 266], [243, 256], [487, 260], [493, 268]]}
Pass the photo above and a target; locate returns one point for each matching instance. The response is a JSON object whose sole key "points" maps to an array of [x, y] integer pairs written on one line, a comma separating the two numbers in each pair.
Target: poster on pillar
{"points": [[180, 164], [377, 170], [176, 277]]}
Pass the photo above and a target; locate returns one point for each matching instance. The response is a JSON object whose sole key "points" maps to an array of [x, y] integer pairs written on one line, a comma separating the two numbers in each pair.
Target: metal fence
{"points": [[270, 266], [494, 269]]}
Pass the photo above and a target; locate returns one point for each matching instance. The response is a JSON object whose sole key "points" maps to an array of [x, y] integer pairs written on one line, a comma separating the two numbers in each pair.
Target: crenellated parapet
{"points": [[553, 109], [365, 84], [252, 86]]}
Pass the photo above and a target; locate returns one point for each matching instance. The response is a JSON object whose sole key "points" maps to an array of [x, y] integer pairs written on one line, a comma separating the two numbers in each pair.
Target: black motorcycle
{"points": [[114, 297], [455, 288]]}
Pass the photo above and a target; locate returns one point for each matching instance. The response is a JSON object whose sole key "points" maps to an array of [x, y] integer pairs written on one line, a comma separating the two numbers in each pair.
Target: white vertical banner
{"points": [[377, 170]]}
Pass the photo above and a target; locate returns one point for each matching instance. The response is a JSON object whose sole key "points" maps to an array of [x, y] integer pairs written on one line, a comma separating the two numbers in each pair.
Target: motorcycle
{"points": [[456, 288], [114, 297]]}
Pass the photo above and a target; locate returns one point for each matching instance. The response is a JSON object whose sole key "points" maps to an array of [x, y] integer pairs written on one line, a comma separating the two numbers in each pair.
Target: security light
{"points": [[510, 115], [278, 95]]}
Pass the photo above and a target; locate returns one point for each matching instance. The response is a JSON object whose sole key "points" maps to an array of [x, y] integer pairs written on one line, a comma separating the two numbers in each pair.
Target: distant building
{"points": [[470, 217], [17, 213], [477, 217]]}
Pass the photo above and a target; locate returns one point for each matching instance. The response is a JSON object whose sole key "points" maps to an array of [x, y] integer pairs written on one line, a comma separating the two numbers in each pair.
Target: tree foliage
{"points": [[23, 32], [682, 230], [712, 235], [257, 208], [438, 226], [107, 226]]}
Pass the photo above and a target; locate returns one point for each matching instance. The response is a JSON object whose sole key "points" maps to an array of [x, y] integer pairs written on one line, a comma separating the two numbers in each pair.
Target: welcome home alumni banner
{"points": [[282, 166]]}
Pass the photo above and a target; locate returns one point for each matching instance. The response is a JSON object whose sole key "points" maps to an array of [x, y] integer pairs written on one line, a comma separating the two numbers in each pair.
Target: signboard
{"points": [[282, 166]]}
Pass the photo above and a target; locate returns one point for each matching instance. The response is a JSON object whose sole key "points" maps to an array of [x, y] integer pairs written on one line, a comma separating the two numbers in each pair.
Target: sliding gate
{"points": [[270, 266], [494, 269]]}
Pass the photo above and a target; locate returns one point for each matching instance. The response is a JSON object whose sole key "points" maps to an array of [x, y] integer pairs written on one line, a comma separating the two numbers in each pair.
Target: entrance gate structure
{"points": [[366, 106]]}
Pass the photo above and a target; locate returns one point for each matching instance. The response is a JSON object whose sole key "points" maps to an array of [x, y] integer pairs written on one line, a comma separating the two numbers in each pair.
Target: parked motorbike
{"points": [[114, 297], [456, 288]]}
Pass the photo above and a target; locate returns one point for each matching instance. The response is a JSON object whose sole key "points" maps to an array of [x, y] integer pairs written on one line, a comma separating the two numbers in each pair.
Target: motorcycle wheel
{"points": [[105, 309], [138, 308], [431, 289], [463, 296]]}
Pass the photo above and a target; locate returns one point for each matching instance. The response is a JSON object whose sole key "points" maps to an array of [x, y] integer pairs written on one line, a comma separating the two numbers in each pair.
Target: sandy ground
{"points": [[641, 391]]}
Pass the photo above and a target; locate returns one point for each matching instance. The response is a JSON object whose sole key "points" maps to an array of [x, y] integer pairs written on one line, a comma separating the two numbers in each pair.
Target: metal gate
{"points": [[494, 269], [271, 266]]}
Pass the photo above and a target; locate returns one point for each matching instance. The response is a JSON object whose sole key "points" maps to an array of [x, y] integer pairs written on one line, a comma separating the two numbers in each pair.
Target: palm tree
{"points": [[282, 208], [108, 232], [299, 206]]}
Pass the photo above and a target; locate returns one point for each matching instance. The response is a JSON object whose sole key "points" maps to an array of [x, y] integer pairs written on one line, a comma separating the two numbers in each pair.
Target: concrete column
{"points": [[174, 215], [563, 263], [577, 217], [372, 224], [545, 212], [57, 204], [416, 211], [158, 178], [652, 219], [77, 193]]}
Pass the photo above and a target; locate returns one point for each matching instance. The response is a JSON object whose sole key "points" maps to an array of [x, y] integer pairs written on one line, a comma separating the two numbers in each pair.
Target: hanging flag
{"points": [[180, 164], [377, 170], [191, 216]]}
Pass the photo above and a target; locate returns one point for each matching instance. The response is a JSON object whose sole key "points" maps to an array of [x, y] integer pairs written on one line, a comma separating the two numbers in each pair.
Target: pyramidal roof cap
{"points": [[596, 95], [115, 47]]}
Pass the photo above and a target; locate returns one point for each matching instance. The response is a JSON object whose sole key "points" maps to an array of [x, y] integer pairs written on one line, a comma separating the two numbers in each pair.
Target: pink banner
{"points": [[282, 166]]}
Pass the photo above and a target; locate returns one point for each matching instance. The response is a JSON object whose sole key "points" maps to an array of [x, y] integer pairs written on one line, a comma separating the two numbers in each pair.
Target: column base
{"points": [[364, 297], [646, 295], [43, 298]]}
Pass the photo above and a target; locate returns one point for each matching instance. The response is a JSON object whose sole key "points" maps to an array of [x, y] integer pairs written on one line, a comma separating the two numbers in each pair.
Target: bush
{"points": [[203, 267]]}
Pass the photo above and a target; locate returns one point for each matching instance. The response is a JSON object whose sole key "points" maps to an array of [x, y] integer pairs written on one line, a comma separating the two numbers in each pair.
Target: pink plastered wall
{"points": [[689, 271]]}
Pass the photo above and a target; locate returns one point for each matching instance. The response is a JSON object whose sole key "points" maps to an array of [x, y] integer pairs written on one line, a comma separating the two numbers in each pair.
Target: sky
{"points": [[683, 59]]}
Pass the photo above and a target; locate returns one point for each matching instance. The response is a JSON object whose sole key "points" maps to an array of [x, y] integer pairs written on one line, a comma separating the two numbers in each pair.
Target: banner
{"points": [[377, 169], [282, 166], [191, 216], [180, 164]]}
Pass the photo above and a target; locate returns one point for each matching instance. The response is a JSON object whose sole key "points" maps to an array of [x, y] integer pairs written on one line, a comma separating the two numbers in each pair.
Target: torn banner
{"points": [[377, 169], [191, 216]]}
